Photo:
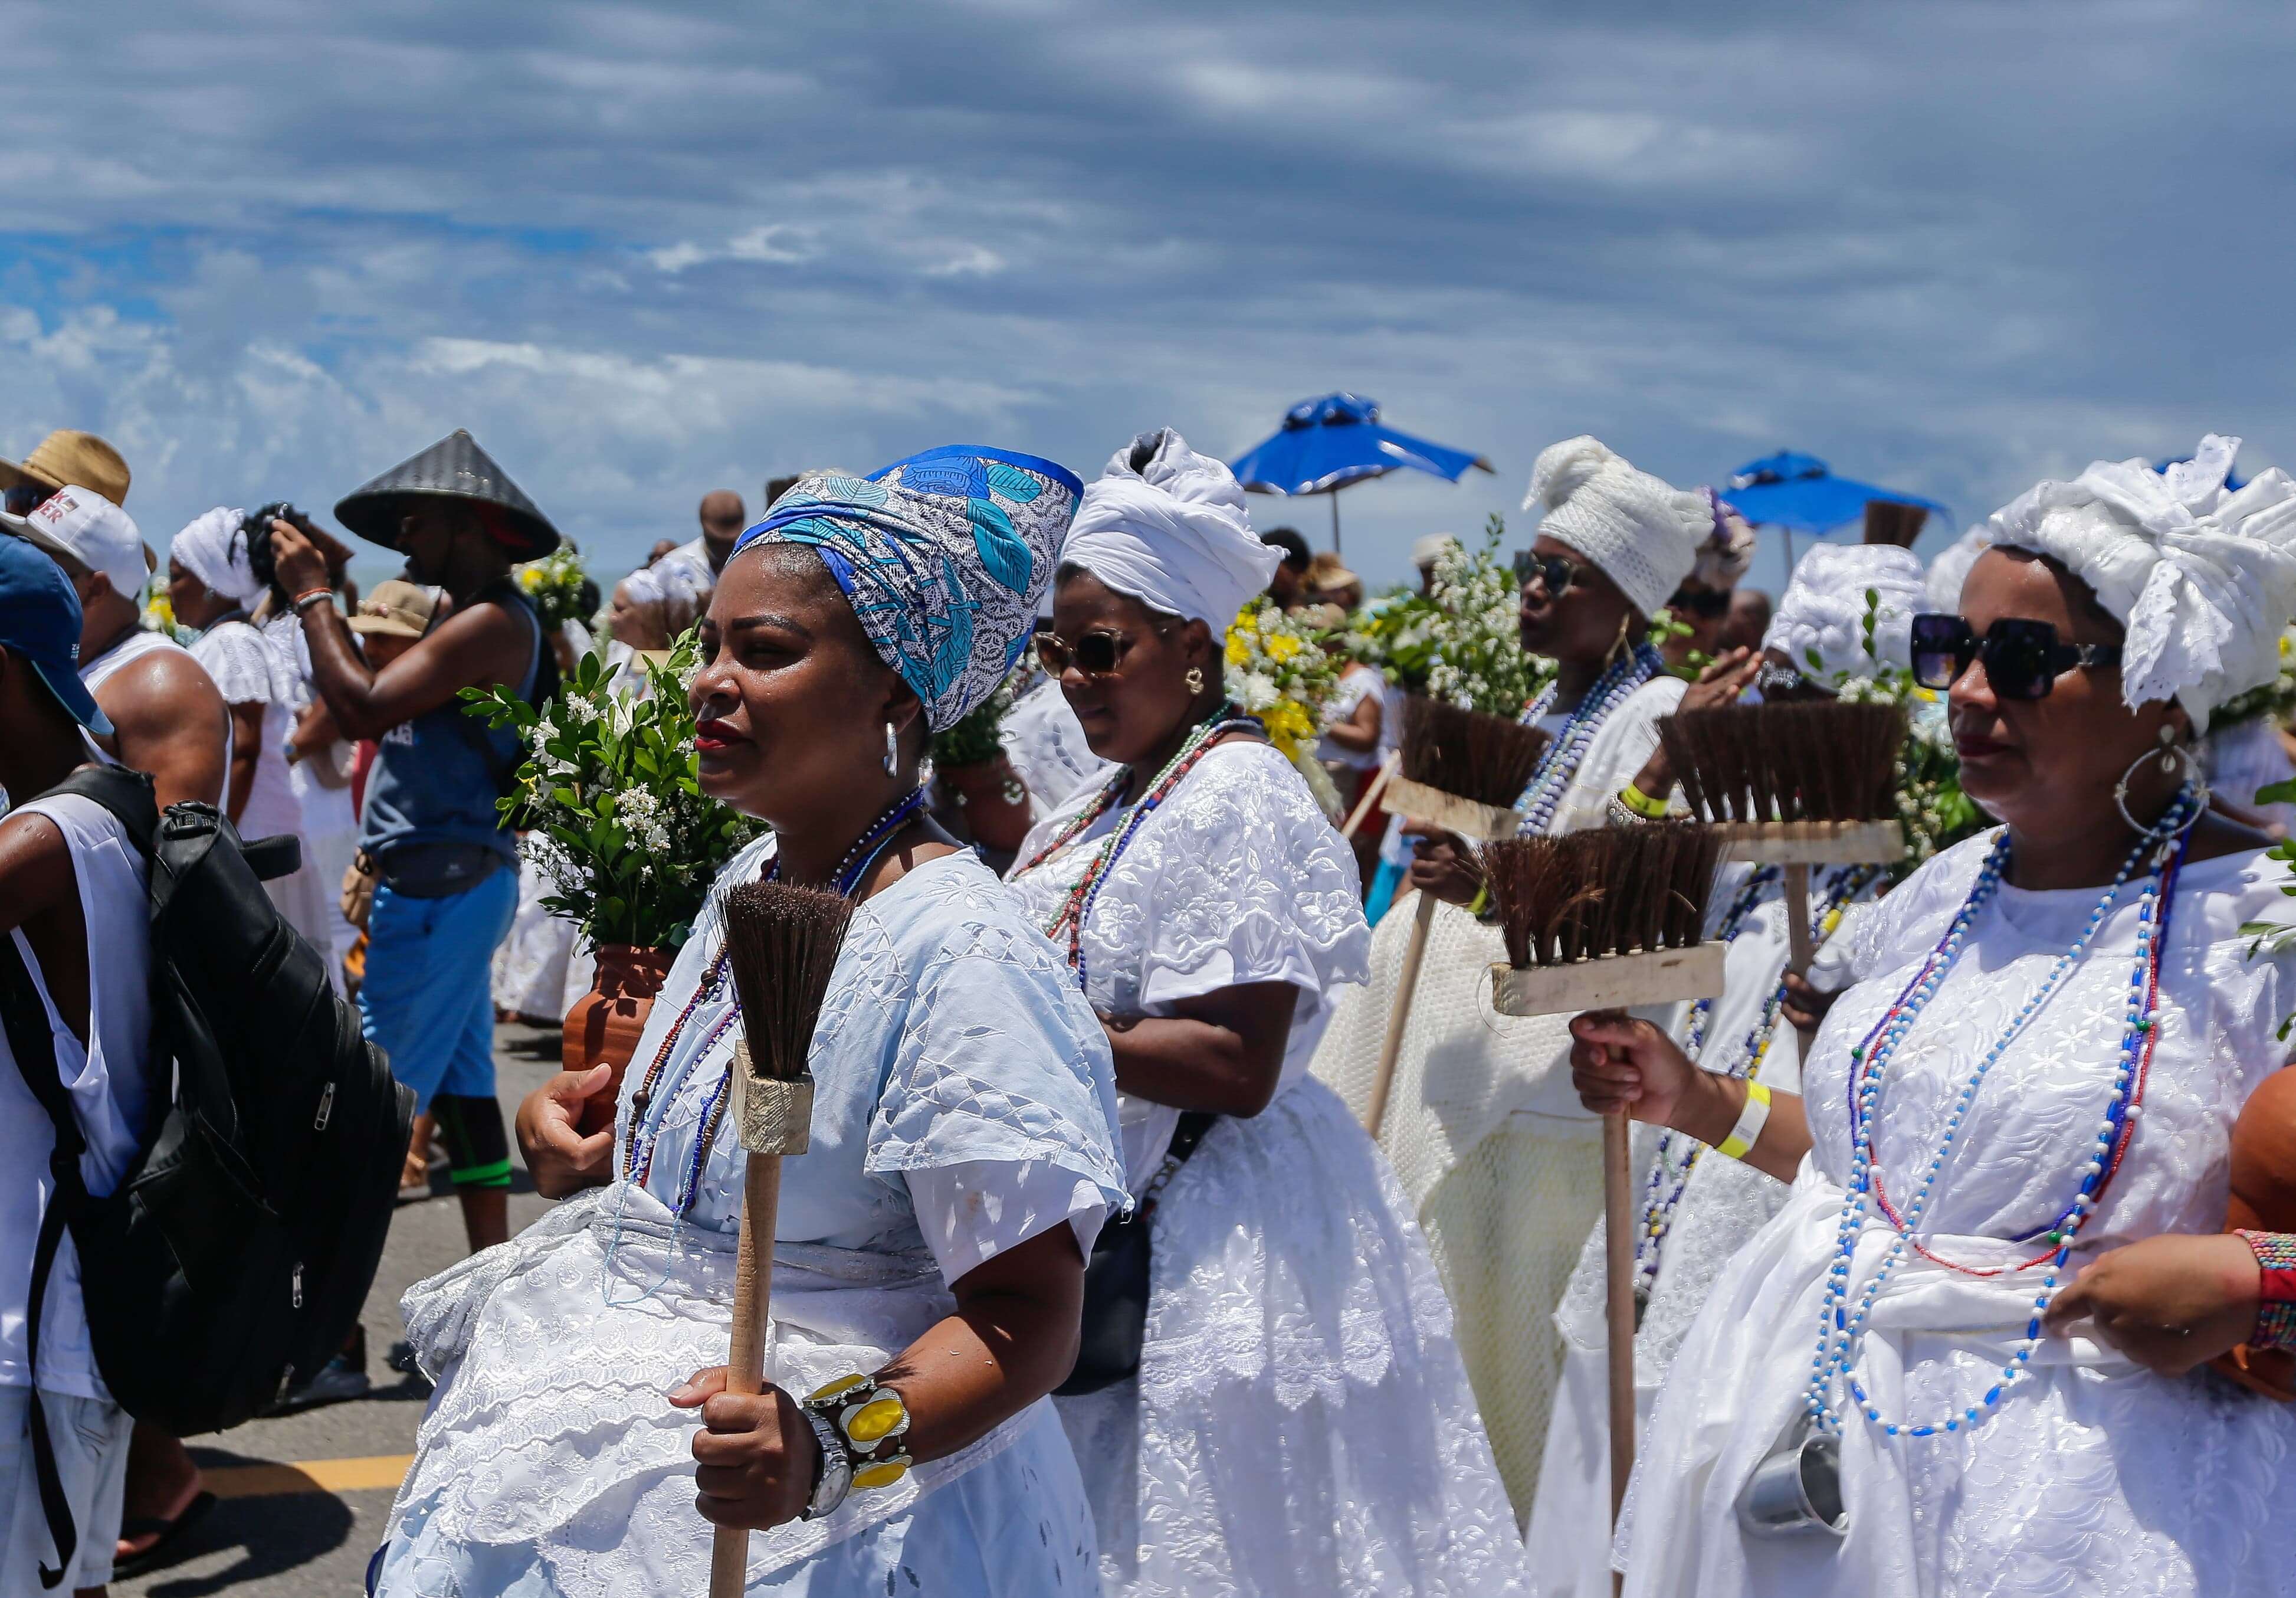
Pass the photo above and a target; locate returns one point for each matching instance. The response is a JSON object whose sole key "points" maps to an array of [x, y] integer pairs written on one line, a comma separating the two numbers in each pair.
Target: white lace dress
{"points": [[1503, 1165], [1300, 1424], [2094, 1476], [249, 668], [1723, 1202], [964, 1103]]}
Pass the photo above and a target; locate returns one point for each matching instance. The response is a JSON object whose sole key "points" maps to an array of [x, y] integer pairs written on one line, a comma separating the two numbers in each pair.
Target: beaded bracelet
{"points": [[1642, 803], [2276, 1309], [311, 596]]}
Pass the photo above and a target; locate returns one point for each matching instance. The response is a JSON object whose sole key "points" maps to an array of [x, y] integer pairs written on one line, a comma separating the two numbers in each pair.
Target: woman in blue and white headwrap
{"points": [[930, 1244]]}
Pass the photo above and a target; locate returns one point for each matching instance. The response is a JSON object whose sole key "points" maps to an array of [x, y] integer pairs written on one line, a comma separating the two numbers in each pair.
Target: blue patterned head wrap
{"points": [[944, 556]]}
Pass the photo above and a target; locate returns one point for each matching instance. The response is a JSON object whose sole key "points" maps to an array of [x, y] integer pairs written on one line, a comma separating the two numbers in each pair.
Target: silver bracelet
{"points": [[834, 1479]]}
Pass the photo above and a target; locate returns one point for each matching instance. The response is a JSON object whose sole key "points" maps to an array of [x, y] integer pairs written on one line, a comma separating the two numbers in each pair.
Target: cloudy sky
{"points": [[270, 247]]}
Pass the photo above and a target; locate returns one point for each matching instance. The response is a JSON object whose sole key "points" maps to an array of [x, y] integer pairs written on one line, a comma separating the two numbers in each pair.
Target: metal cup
{"points": [[1797, 1490]]}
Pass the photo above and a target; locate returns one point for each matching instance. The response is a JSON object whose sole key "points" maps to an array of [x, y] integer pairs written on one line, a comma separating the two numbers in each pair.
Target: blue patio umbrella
{"points": [[1328, 443], [1800, 493]]}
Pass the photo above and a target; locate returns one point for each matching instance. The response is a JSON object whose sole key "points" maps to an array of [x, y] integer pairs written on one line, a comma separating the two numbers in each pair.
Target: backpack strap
{"points": [[34, 1047], [125, 794]]}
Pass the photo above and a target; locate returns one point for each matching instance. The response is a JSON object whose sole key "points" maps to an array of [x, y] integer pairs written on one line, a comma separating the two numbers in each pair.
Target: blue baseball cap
{"points": [[40, 621]]}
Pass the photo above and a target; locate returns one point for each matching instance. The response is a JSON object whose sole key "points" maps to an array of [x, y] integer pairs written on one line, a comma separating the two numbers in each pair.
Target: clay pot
{"points": [[995, 801], [2264, 1199], [604, 1024]]}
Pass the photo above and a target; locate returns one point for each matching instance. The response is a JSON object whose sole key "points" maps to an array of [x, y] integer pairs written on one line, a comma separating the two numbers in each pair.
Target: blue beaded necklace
{"points": [[1542, 796], [651, 1103], [1841, 1328]]}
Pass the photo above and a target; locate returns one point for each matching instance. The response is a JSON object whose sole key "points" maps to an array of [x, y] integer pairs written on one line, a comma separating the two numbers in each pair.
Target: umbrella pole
{"points": [[1790, 559], [1335, 521]]}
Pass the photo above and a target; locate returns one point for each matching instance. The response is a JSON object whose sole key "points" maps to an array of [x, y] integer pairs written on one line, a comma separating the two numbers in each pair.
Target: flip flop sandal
{"points": [[169, 1532]]}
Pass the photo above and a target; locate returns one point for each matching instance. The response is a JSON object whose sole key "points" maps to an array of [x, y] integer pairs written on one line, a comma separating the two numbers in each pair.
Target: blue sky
{"points": [[644, 251]]}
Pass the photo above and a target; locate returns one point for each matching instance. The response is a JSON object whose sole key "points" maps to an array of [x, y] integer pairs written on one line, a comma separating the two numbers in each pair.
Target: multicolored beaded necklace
{"points": [[1839, 1327], [1542, 796], [653, 1094], [1075, 905], [1677, 1155]]}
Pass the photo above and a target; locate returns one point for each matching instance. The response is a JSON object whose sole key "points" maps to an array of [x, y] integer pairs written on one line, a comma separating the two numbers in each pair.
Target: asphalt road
{"points": [[297, 1532]]}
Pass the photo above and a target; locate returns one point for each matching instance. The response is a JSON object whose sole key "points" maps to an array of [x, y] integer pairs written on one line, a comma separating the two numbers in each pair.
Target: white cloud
{"points": [[642, 249]]}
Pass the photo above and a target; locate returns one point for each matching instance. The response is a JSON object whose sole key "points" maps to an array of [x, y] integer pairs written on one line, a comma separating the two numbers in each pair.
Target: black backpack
{"points": [[237, 1251]]}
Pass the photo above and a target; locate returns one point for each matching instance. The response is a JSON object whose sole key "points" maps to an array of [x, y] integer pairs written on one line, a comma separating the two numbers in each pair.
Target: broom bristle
{"points": [[1796, 761], [782, 942], [1468, 753], [1613, 890]]}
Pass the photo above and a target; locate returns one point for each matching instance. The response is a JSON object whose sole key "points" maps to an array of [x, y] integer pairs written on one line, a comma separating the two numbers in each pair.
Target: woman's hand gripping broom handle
{"points": [[1618, 1225], [773, 1119], [1398, 1014]]}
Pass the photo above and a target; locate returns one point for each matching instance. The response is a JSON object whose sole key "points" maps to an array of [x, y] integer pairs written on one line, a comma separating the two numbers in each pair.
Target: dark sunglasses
{"points": [[1703, 603], [1554, 573], [2022, 658], [22, 498], [1095, 653]]}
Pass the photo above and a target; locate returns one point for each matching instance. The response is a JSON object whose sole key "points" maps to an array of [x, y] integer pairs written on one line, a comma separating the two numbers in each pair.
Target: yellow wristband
{"points": [[1752, 1119], [1481, 901], [1642, 803]]}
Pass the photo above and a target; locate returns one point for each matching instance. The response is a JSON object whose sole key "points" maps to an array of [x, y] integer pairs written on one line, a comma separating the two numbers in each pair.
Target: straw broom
{"points": [[782, 942], [1595, 920], [1460, 769]]}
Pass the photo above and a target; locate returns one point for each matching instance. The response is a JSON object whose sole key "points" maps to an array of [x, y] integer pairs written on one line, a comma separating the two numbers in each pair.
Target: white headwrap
{"points": [[1172, 532], [1430, 548], [2203, 580], [1820, 623], [1727, 550], [1642, 534], [211, 550], [1951, 570]]}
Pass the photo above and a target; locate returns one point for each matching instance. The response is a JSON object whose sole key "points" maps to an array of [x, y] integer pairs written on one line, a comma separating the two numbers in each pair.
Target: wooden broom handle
{"points": [[1378, 786], [1398, 1014], [1619, 1239], [1799, 949], [745, 1364]]}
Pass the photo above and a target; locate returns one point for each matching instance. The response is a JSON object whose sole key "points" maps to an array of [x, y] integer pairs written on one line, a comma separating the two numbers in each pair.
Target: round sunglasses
{"points": [[1095, 652], [2023, 658], [1554, 573]]}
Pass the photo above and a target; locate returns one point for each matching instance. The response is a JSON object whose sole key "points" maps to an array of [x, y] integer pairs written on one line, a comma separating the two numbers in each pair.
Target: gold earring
{"points": [[1626, 625], [1195, 680]]}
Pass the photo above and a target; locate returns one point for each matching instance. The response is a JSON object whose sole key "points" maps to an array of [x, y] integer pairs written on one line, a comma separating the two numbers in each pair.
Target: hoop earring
{"points": [[893, 752], [2171, 755], [1619, 643], [1194, 680]]}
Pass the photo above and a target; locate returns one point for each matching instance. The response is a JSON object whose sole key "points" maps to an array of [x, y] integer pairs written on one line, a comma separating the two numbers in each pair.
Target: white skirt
{"points": [[1300, 1424], [551, 1465], [2094, 1478]]}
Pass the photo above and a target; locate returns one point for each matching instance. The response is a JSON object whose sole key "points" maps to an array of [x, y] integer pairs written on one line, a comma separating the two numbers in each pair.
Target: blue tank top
{"points": [[437, 777]]}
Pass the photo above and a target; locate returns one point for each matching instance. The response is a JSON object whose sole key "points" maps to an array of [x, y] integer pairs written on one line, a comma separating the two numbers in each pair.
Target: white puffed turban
{"points": [[212, 550], [2202, 579], [667, 582], [1820, 623], [1644, 534], [1950, 569], [1727, 551], [1169, 527]]}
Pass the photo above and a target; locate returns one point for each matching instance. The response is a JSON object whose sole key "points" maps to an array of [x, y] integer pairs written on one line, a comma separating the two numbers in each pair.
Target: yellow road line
{"points": [[312, 1476]]}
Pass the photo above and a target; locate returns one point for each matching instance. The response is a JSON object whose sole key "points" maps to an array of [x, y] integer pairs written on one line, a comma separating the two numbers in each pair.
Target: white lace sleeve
{"points": [[1000, 1060], [1243, 880], [240, 661], [971, 1213]]}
